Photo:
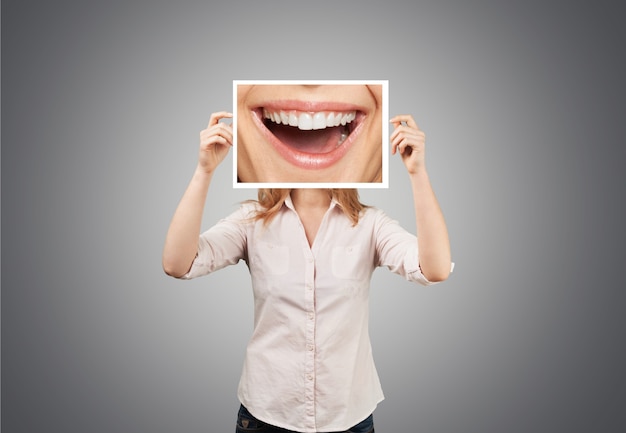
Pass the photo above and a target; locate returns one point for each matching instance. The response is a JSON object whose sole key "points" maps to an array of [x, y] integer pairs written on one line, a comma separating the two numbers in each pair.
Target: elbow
{"points": [[177, 262], [174, 269], [171, 271], [437, 274], [437, 277]]}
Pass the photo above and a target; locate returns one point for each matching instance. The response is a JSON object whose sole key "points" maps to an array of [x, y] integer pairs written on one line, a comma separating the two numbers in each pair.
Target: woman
{"points": [[311, 253]]}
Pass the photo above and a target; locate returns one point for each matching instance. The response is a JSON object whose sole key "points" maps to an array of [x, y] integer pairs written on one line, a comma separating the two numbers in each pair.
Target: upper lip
{"points": [[312, 106]]}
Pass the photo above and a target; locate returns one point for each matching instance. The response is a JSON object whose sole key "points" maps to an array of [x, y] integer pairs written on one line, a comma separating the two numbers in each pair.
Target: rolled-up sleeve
{"points": [[222, 245], [397, 249]]}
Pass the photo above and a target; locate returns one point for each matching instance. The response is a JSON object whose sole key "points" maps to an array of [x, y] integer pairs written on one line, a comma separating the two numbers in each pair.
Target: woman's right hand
{"points": [[215, 141]]}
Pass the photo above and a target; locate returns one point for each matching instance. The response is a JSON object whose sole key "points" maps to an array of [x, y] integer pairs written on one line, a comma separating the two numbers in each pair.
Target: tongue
{"points": [[313, 141]]}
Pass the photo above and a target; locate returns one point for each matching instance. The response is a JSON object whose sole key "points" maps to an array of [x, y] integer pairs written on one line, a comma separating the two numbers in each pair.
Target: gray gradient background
{"points": [[522, 104]]}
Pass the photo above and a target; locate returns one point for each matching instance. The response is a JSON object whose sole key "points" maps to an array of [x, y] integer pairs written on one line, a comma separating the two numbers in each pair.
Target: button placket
{"points": [[309, 373]]}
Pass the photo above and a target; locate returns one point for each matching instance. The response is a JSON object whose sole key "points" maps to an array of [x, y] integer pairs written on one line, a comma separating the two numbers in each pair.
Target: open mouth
{"points": [[310, 139], [319, 132]]}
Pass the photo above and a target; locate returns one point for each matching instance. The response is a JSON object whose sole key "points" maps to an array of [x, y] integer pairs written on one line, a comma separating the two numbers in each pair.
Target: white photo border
{"points": [[364, 185]]}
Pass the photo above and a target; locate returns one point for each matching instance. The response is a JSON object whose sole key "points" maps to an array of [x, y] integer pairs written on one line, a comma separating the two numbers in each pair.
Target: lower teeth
{"points": [[342, 138]]}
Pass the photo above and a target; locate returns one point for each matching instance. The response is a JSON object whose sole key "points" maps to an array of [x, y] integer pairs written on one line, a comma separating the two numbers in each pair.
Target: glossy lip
{"points": [[306, 160]]}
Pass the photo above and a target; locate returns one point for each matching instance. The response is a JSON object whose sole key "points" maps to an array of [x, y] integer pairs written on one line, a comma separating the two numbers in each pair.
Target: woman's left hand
{"points": [[409, 141]]}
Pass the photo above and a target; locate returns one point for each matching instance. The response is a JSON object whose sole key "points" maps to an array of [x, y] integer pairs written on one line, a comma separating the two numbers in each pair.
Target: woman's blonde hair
{"points": [[272, 199]]}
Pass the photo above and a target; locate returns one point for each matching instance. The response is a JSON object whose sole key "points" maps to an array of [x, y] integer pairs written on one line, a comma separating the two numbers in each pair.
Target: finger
{"points": [[400, 130], [215, 140], [404, 131], [395, 120], [402, 146], [215, 117], [220, 128], [394, 147], [407, 118], [395, 124], [226, 135], [399, 138], [224, 129], [395, 140], [210, 134]]}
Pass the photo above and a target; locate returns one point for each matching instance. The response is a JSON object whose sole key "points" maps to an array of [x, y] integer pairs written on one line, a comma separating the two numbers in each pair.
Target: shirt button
{"points": [[311, 316], [309, 377], [311, 348]]}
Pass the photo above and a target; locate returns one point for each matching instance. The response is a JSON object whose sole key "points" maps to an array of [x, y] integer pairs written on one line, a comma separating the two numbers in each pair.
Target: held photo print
{"points": [[310, 134]]}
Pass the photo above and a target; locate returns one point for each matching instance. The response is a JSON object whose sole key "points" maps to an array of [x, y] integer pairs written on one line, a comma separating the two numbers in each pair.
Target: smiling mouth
{"points": [[310, 132], [310, 135]]}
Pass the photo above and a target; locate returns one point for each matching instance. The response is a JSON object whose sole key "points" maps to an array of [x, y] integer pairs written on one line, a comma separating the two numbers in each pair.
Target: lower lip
{"points": [[309, 161]]}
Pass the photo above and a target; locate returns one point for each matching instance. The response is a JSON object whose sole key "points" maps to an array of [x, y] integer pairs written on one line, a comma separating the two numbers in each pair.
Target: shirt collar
{"points": [[289, 203]]}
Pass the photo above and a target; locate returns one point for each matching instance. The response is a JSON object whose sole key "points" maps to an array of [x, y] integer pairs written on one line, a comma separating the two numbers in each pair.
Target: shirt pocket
{"points": [[270, 258], [349, 262]]}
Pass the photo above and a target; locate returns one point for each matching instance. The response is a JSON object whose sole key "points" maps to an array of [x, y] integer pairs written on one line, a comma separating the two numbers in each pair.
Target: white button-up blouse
{"points": [[308, 364]]}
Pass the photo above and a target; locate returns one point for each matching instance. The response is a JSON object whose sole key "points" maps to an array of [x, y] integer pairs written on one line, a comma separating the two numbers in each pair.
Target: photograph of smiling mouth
{"points": [[310, 139]]}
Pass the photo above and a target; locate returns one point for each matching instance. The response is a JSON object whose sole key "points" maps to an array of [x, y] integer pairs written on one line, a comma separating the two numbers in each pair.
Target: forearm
{"points": [[181, 242], [432, 233]]}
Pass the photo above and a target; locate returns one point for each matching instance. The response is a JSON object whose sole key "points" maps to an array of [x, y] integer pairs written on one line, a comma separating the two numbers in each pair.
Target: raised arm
{"points": [[432, 234], [181, 242]]}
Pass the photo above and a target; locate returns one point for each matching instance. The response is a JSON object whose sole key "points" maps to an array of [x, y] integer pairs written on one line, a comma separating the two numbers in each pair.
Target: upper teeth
{"points": [[308, 120]]}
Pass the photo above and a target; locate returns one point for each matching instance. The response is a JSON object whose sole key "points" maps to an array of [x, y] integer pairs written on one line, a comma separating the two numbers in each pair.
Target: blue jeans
{"points": [[246, 423]]}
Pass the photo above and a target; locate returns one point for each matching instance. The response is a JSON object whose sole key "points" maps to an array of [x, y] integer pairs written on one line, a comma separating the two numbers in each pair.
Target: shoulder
{"points": [[373, 215], [382, 225], [245, 212], [371, 219]]}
